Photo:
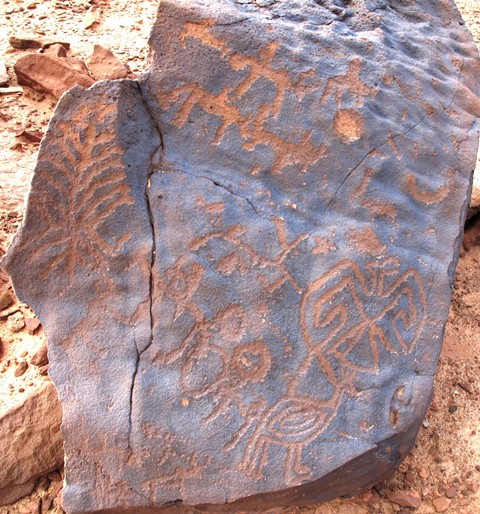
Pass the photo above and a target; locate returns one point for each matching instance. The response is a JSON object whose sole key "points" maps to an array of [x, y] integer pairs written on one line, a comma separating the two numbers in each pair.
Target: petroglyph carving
{"points": [[82, 185], [243, 259], [425, 196], [181, 467], [293, 422], [337, 314], [225, 105], [331, 331]]}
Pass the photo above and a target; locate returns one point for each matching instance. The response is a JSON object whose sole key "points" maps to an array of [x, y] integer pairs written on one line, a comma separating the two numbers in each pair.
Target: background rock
{"points": [[24, 42], [50, 74], [102, 64], [30, 442], [3, 75]]}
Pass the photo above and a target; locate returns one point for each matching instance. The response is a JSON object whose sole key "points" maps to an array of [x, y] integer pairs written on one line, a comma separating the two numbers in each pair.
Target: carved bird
{"points": [[292, 422]]}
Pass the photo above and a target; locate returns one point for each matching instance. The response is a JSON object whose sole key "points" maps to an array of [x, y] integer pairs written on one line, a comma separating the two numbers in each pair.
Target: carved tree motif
{"points": [[82, 185]]}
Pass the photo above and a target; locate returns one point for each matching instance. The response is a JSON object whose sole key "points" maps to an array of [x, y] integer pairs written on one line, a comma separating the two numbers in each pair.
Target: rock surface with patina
{"points": [[248, 252]]}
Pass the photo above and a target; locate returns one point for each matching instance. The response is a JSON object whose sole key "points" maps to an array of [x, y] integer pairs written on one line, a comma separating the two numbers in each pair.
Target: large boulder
{"points": [[244, 260]]}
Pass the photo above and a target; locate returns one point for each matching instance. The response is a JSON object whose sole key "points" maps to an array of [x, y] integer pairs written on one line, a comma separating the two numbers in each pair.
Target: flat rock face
{"points": [[248, 254]]}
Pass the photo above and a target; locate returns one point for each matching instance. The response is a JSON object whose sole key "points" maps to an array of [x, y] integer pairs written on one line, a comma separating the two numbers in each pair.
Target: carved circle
{"points": [[252, 361]]}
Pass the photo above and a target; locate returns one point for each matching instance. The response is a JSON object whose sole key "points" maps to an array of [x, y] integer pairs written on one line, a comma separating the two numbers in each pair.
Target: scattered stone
{"points": [[41, 356], [43, 370], [35, 136], [15, 322], [10, 90], [55, 476], [47, 502], [30, 442], [474, 487], [56, 50], [409, 477], [31, 324], [6, 299], [477, 467], [441, 504], [466, 387], [50, 74], [24, 353], [21, 368], [451, 492], [410, 498], [3, 74], [277, 258], [453, 408], [91, 17], [102, 64], [24, 42]]}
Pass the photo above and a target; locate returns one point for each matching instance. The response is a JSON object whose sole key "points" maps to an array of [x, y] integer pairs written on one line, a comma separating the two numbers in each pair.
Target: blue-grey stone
{"points": [[243, 261]]}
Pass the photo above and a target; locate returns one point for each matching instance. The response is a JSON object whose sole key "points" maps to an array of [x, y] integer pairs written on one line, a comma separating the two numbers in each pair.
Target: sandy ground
{"points": [[443, 468]]}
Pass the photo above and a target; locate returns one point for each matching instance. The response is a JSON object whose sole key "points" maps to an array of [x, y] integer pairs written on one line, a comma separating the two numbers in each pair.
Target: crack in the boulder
{"points": [[216, 183], [391, 138], [132, 387], [362, 160], [139, 353]]}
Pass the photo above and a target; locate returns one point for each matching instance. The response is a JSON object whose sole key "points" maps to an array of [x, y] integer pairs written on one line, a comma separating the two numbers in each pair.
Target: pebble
{"points": [[410, 498], [477, 467], [441, 504], [20, 369], [466, 387], [474, 487], [409, 477], [40, 358], [6, 299], [55, 476], [452, 409], [15, 322], [451, 492], [32, 324]]}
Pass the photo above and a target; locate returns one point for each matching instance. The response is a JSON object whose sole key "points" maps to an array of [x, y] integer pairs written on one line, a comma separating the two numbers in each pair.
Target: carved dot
{"points": [[349, 125]]}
